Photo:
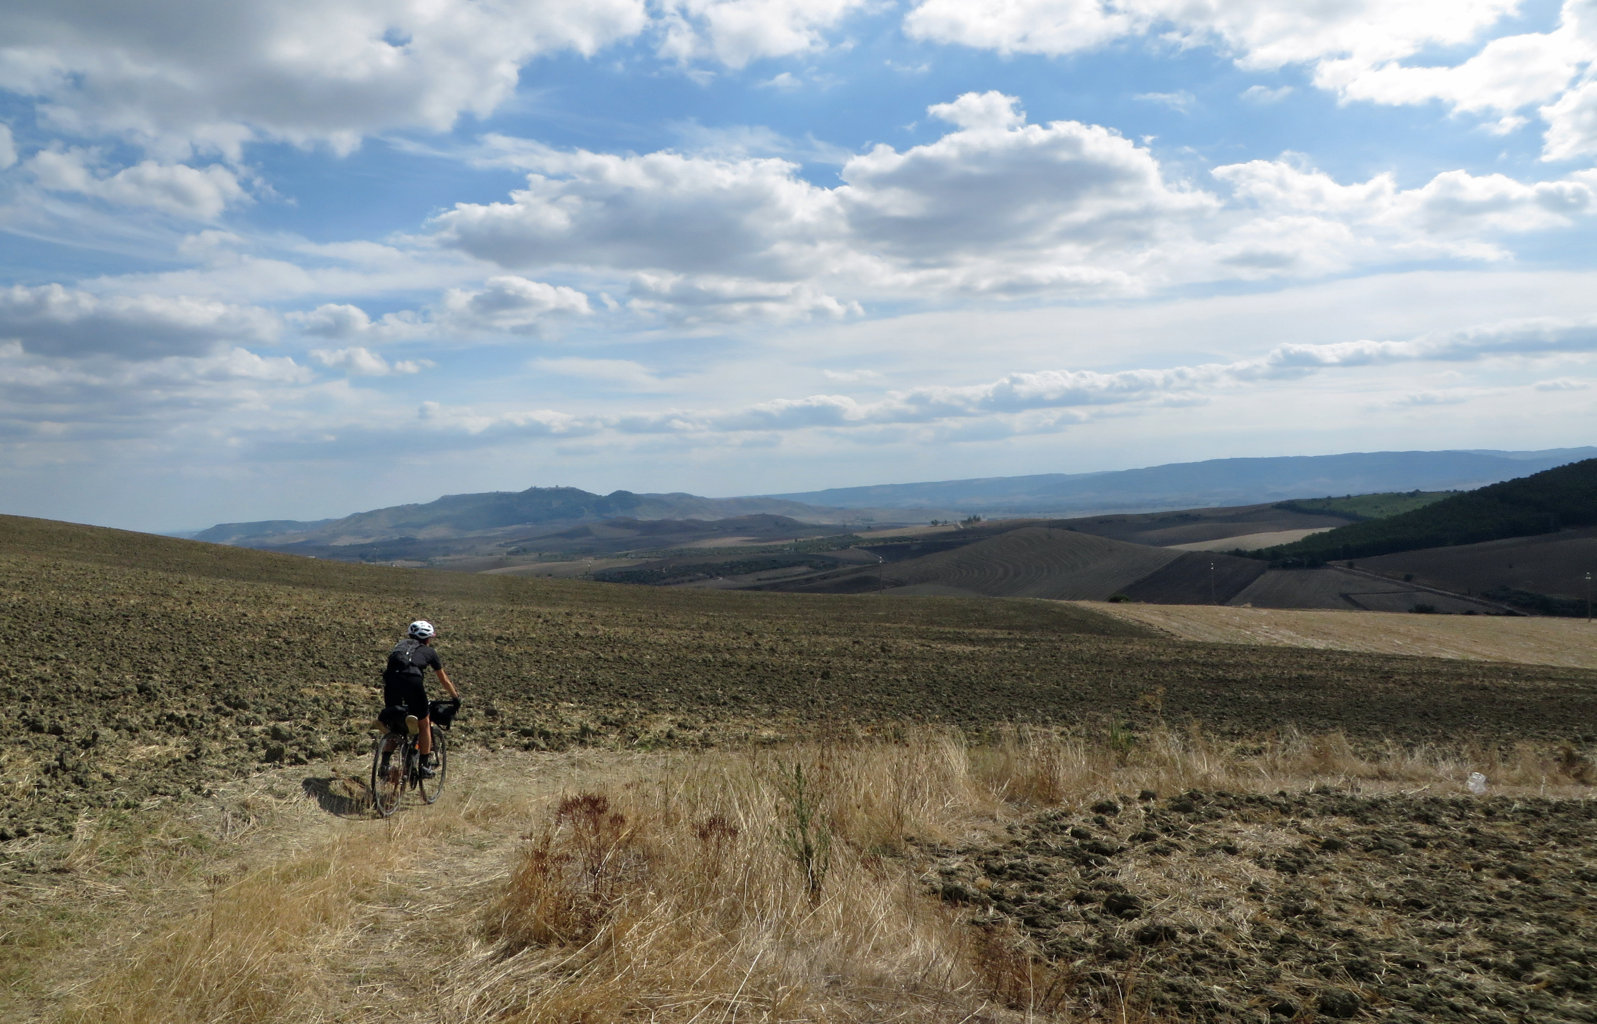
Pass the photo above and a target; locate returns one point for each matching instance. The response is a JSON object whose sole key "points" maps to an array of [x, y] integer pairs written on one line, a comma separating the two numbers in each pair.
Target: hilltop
{"points": [[495, 522]]}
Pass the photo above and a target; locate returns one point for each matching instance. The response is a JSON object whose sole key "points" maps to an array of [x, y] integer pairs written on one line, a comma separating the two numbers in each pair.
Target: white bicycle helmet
{"points": [[421, 629]]}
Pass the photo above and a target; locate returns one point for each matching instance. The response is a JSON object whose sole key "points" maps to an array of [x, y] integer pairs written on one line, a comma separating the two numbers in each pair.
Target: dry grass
{"points": [[666, 886], [1570, 643], [1249, 541]]}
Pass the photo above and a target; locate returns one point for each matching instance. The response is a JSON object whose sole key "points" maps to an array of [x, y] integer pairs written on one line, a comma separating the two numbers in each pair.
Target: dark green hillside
{"points": [[1542, 503], [1359, 507]]}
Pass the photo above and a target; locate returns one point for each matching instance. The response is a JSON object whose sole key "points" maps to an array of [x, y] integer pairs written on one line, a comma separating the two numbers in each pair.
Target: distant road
{"points": [[1567, 643]]}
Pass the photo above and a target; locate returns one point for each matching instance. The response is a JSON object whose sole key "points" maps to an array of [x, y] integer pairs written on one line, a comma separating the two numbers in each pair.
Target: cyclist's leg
{"points": [[424, 738], [387, 777]]}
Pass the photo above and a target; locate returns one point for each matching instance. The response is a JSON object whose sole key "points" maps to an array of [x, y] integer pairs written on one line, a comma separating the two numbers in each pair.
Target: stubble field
{"points": [[1521, 640]]}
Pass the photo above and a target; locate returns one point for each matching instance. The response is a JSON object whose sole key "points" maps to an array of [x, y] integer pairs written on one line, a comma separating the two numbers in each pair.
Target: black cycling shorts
{"points": [[410, 696]]}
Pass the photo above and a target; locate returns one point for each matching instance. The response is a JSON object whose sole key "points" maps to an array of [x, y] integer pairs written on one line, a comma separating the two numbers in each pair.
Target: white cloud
{"points": [[1084, 390], [614, 373], [1572, 123], [659, 211], [198, 193], [8, 147], [192, 74], [1264, 95], [1266, 34], [362, 362], [54, 320], [1181, 101], [1508, 74], [738, 32], [1260, 33], [333, 320], [784, 82], [512, 304], [530, 423], [1053, 27], [116, 400], [1355, 48], [851, 376], [1064, 198], [996, 205], [712, 298], [981, 111], [505, 303], [1307, 222]]}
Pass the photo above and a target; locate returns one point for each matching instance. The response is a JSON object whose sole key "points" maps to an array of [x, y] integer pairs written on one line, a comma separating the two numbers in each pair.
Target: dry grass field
{"points": [[1250, 541], [918, 878], [1519, 639]]}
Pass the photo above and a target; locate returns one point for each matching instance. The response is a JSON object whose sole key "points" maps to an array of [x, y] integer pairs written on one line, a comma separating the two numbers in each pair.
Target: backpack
{"points": [[401, 668]]}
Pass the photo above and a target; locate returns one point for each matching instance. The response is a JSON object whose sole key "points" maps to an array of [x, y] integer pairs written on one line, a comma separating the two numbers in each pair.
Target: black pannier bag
{"points": [[393, 718], [443, 712]]}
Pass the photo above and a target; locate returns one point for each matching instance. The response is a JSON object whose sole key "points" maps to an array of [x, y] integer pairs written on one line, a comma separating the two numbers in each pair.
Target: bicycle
{"points": [[396, 763]]}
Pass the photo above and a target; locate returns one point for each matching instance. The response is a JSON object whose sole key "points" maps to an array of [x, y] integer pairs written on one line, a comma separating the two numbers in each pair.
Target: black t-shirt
{"points": [[405, 688]]}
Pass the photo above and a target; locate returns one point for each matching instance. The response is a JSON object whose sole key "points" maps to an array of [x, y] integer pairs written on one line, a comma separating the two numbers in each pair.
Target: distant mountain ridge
{"points": [[539, 511], [1210, 484], [497, 513]]}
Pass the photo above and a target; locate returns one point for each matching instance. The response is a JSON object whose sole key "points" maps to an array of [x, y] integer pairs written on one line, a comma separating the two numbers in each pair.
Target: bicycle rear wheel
{"points": [[388, 785], [433, 787]]}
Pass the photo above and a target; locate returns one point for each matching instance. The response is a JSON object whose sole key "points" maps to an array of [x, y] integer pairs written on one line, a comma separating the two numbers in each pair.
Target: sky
{"points": [[295, 259]]}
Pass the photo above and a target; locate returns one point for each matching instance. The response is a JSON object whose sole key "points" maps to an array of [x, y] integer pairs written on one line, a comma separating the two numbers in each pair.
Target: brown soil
{"points": [[1327, 905], [1551, 564]]}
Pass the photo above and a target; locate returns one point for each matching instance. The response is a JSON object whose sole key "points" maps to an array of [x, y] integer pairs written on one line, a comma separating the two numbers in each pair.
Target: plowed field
{"points": [[140, 668], [1225, 907]]}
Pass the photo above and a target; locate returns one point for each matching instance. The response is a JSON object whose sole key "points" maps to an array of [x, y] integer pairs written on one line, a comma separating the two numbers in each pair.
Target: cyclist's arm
{"points": [[443, 677]]}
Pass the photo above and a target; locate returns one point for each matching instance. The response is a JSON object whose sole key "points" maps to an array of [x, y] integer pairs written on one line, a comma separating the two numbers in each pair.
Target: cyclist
{"points": [[403, 684]]}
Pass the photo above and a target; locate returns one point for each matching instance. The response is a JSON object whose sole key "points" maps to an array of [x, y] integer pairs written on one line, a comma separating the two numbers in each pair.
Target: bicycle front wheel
{"points": [[433, 787], [388, 780]]}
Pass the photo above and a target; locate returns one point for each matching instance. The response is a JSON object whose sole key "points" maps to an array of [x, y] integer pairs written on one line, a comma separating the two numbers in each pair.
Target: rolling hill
{"points": [[1541, 503], [497, 519]]}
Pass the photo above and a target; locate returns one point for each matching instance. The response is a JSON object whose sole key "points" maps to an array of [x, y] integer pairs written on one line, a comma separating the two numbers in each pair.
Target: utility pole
{"points": [[1588, 596], [1211, 583]]}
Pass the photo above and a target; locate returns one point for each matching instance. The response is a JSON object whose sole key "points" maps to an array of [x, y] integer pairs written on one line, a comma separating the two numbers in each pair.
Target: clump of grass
{"points": [[570, 879], [742, 886]]}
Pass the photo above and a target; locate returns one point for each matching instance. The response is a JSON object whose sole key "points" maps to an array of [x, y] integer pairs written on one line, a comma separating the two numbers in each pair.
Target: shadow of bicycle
{"points": [[347, 797]]}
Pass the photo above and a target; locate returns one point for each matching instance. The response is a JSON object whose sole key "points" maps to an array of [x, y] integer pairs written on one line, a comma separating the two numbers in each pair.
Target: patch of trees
{"points": [[1359, 507], [1545, 502]]}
